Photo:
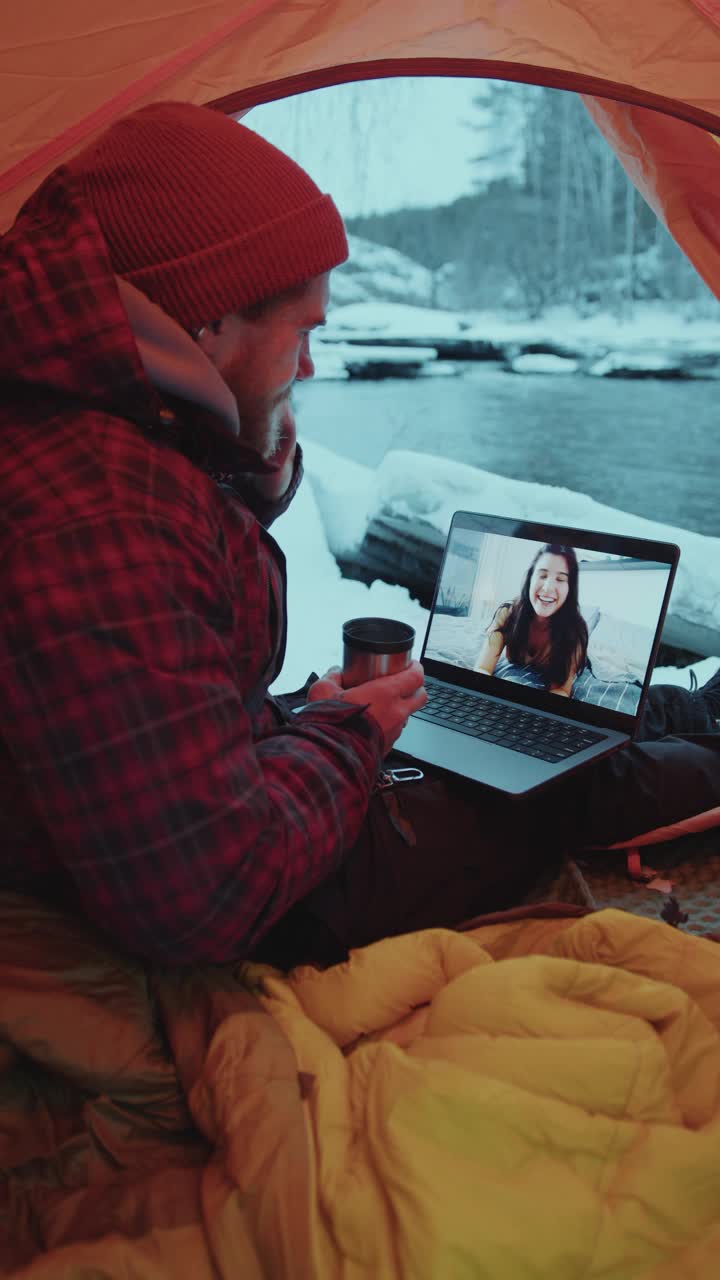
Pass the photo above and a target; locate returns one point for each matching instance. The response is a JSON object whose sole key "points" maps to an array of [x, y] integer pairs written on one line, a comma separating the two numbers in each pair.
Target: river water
{"points": [[646, 446]]}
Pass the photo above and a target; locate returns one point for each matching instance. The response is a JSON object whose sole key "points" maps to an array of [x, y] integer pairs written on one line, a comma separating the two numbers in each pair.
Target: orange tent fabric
{"points": [[69, 70]]}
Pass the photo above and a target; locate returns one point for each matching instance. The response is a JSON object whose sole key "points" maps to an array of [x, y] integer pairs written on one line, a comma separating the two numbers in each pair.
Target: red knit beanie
{"points": [[202, 214]]}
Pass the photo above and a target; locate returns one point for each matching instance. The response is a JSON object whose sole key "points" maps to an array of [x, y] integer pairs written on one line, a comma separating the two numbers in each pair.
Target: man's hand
{"points": [[271, 485], [390, 700]]}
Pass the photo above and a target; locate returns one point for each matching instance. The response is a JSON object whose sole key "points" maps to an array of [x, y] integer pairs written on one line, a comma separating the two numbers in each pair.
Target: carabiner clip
{"points": [[390, 777]]}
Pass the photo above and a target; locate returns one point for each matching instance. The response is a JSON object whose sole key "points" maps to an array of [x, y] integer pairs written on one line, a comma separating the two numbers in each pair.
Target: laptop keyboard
{"points": [[508, 725]]}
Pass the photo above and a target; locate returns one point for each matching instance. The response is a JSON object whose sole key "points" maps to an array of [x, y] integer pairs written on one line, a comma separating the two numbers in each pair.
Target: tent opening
{"points": [[512, 310]]}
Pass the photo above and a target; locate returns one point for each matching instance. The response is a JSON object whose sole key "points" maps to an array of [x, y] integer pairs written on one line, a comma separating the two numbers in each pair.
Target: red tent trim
{"points": [[477, 68]]}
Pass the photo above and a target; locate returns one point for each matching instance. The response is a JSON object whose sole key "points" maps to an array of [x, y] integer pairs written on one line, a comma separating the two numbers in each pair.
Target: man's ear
{"points": [[207, 336]]}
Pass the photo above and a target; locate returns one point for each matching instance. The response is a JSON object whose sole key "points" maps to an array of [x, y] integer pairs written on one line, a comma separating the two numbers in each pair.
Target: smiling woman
{"points": [[542, 628]]}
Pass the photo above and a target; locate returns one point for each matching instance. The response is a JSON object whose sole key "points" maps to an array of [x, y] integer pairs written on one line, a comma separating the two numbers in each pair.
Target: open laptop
{"points": [[507, 729]]}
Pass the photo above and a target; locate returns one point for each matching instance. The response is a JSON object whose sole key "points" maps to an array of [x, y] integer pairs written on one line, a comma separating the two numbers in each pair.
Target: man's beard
{"points": [[261, 424]]}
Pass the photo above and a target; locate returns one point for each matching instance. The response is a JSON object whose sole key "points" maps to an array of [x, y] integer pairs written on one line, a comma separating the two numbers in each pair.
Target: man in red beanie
{"points": [[158, 296]]}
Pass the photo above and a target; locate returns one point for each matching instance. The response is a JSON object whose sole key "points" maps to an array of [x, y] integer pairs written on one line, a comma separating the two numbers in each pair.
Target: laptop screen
{"points": [[558, 611]]}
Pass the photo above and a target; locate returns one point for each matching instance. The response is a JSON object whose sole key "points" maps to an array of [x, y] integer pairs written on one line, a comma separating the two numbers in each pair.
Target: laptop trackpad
{"points": [[485, 762]]}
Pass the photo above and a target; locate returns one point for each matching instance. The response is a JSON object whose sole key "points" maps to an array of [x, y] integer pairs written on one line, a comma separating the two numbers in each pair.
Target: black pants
{"points": [[443, 850], [671, 771]]}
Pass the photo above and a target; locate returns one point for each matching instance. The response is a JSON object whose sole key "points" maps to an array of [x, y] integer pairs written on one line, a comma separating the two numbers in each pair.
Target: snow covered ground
{"points": [[649, 325], [332, 509], [656, 340]]}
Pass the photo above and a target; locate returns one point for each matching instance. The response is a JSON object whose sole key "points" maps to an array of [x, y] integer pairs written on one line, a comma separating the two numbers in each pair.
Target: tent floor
{"points": [[597, 880]]}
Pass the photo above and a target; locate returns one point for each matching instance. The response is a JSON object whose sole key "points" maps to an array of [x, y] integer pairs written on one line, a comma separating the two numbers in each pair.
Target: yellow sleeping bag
{"points": [[529, 1100], [536, 1098]]}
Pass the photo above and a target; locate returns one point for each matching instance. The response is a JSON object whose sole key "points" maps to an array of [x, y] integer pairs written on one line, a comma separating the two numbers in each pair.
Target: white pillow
{"points": [[611, 650]]}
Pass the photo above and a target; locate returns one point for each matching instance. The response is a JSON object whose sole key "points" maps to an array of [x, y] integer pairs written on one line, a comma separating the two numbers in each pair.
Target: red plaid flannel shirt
{"points": [[143, 763]]}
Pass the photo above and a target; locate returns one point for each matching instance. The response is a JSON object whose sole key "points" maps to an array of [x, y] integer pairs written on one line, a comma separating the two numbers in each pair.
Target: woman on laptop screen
{"points": [[542, 628]]}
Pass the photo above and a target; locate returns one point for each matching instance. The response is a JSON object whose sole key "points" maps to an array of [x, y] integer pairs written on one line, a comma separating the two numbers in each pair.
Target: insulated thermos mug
{"points": [[375, 647]]}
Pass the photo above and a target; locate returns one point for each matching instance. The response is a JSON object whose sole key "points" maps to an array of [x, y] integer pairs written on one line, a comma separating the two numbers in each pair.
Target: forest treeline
{"points": [[554, 218]]}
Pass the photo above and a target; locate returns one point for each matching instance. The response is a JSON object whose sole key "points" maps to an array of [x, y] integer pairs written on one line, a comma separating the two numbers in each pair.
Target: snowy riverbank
{"points": [[655, 340]]}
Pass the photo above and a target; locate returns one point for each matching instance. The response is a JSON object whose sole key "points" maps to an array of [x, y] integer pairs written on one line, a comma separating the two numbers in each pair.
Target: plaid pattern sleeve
{"points": [[129, 669]]}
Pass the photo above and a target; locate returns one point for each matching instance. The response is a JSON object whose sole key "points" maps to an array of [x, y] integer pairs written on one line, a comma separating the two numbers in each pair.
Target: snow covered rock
{"points": [[358, 360], [373, 271], [450, 333], [542, 362], [637, 364]]}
